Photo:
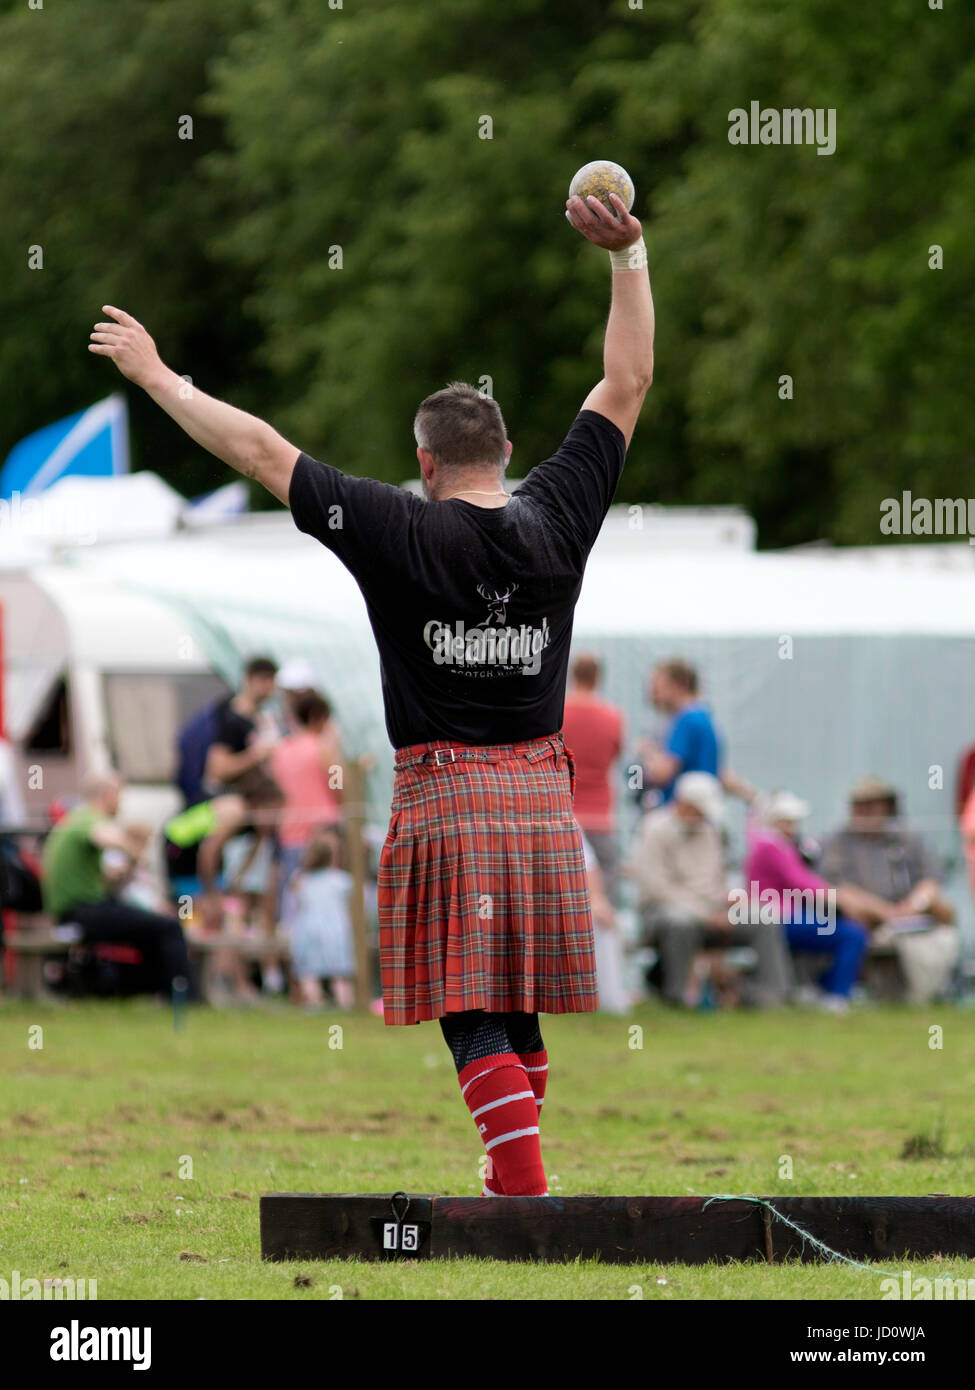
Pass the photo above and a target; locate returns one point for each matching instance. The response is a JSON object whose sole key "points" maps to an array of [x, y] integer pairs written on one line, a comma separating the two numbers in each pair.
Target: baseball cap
{"points": [[296, 674], [704, 793]]}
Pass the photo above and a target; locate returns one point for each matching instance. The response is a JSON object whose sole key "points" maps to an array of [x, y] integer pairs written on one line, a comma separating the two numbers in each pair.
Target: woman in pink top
{"points": [[307, 767], [782, 889]]}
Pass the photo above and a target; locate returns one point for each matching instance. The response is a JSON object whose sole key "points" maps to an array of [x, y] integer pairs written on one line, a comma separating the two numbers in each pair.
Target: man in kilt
{"points": [[484, 913]]}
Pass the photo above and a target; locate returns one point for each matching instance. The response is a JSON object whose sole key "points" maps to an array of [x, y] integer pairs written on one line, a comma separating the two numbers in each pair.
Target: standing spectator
{"points": [[691, 743], [677, 861], [774, 866], [878, 852], [295, 680], [218, 746], [307, 766], [237, 762], [76, 889], [238, 745], [965, 782], [593, 729], [968, 837]]}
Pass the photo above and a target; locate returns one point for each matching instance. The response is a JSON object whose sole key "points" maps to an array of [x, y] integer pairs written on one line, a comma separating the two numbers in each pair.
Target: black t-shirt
{"points": [[471, 607], [232, 730]]}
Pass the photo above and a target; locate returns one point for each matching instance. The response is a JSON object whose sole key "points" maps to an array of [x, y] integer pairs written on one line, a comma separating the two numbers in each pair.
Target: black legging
{"points": [[476, 1034], [159, 938]]}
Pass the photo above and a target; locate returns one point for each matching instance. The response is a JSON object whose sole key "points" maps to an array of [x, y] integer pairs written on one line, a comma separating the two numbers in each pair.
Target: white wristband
{"points": [[633, 257]]}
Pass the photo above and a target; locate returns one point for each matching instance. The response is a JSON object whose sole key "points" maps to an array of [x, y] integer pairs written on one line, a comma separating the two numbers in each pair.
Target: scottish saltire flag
{"points": [[92, 444]]}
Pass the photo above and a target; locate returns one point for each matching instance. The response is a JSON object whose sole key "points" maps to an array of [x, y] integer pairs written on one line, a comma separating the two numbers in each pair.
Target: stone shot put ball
{"points": [[601, 178]]}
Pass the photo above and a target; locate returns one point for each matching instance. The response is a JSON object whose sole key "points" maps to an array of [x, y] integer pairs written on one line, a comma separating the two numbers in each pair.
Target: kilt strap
{"points": [[435, 755]]}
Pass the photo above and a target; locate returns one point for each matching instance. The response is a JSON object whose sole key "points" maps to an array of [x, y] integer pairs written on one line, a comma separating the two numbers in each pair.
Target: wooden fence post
{"points": [[355, 818]]}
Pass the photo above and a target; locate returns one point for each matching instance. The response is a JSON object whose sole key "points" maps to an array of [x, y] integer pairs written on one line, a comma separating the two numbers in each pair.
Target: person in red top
{"points": [[593, 729]]}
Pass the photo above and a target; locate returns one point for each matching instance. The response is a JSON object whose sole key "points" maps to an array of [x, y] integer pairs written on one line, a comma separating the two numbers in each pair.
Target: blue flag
{"points": [[92, 444]]}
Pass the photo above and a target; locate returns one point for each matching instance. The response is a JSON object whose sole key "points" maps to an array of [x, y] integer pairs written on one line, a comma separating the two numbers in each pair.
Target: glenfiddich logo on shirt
{"points": [[457, 645]]}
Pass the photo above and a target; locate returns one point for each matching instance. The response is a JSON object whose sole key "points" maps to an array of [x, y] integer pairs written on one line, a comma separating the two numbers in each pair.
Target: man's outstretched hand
{"points": [[129, 346], [240, 439], [598, 225]]}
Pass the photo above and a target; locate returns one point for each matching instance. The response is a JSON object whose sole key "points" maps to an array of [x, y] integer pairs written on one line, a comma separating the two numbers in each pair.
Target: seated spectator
{"points": [[878, 852], [76, 888], [132, 878], [317, 918], [780, 880], [245, 854], [677, 861], [235, 836]]}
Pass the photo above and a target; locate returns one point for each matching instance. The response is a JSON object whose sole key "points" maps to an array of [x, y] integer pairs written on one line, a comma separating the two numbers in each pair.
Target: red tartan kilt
{"points": [[483, 900]]}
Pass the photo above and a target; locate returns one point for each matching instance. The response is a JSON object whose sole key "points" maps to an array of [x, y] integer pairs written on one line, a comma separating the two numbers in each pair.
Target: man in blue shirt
{"points": [[691, 743]]}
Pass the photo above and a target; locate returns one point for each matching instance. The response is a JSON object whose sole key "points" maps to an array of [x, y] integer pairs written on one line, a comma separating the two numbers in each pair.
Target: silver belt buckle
{"points": [[437, 752]]}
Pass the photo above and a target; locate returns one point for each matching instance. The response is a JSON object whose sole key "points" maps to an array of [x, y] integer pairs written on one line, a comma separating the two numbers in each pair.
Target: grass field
{"points": [[98, 1123]]}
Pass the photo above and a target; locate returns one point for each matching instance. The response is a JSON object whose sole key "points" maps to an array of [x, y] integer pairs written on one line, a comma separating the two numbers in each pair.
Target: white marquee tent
{"points": [[818, 670]]}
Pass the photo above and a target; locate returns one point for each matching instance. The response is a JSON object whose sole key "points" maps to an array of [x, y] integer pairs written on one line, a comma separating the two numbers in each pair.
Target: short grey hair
{"points": [[461, 427]]}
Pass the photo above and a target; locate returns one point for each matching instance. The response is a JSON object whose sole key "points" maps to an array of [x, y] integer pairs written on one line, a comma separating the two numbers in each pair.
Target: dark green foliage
{"points": [[358, 128]]}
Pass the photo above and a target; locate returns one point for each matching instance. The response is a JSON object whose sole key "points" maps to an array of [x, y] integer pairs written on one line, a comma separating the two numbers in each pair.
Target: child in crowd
{"points": [[316, 916]]}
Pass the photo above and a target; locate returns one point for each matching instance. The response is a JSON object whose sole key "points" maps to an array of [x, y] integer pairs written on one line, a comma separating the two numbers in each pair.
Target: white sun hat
{"points": [[704, 793], [785, 806]]}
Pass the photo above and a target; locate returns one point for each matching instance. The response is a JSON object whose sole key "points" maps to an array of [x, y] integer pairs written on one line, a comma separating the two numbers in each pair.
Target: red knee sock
{"points": [[536, 1068], [501, 1100], [492, 1183]]}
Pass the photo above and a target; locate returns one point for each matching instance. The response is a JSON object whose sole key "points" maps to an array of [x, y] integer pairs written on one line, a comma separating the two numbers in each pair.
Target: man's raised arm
{"points": [[241, 440], [628, 349]]}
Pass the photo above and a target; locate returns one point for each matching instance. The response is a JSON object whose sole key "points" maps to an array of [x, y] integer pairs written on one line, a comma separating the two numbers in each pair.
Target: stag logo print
{"points": [[497, 603], [494, 648]]}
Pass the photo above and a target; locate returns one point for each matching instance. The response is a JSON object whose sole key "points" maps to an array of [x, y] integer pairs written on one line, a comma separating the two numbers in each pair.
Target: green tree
{"points": [[95, 173], [776, 260], [372, 203], [430, 147]]}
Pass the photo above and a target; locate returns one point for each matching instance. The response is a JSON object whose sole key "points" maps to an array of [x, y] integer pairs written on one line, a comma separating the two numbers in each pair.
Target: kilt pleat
{"points": [[482, 893]]}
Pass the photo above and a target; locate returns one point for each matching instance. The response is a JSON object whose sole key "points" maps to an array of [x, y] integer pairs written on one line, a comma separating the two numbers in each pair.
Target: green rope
{"points": [[820, 1245]]}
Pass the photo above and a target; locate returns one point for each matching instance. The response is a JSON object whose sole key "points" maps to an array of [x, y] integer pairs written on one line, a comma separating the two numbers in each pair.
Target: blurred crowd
{"points": [[795, 920], [256, 854], [256, 879]]}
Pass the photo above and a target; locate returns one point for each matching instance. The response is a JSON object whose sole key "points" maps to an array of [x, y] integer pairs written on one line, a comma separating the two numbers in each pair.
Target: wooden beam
{"points": [[616, 1230], [312, 1226]]}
